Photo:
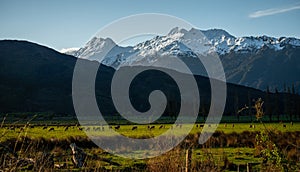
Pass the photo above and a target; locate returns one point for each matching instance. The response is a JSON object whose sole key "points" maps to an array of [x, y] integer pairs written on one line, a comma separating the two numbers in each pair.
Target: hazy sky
{"points": [[71, 23]]}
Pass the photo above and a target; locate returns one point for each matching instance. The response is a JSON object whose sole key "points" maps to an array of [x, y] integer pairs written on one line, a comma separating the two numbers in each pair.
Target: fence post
{"points": [[188, 159], [248, 167]]}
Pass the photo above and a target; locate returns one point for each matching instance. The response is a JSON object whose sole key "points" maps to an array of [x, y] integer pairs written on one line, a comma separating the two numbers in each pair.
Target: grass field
{"points": [[229, 150], [34, 131]]}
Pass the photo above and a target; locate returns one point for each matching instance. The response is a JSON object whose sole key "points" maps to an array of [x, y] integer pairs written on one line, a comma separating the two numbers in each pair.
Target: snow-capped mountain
{"points": [[181, 42], [240, 55], [97, 48]]}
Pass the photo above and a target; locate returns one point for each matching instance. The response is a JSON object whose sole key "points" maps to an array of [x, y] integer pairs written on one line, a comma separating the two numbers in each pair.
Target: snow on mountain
{"points": [[180, 42], [115, 55], [185, 44], [69, 51], [99, 48], [291, 41], [194, 39], [221, 42], [164, 45], [216, 34]]}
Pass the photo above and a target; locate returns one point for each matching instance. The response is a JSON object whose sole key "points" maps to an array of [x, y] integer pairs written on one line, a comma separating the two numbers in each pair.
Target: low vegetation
{"points": [[233, 146], [255, 146]]}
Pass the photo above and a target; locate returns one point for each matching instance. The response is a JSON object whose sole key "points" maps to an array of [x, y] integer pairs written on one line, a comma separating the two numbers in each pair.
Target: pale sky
{"points": [[71, 23]]}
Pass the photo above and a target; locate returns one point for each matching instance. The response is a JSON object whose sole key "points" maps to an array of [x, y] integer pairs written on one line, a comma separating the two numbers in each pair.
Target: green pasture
{"points": [[8, 131]]}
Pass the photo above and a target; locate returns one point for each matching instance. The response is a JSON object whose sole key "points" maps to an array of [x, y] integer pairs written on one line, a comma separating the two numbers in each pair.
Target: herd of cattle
{"points": [[110, 127]]}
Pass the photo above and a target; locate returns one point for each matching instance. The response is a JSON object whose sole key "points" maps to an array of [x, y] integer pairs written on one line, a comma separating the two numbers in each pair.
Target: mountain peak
{"points": [[217, 34], [193, 33], [96, 46], [210, 33], [177, 30], [95, 41]]}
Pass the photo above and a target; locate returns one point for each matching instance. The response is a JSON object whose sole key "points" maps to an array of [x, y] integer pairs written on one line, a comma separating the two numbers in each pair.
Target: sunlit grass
{"points": [[142, 131]]}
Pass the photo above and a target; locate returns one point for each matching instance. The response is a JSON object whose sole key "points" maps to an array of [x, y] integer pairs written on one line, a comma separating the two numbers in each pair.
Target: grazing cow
{"points": [[134, 128], [51, 129], [232, 125], [250, 126], [44, 128], [66, 128], [160, 127], [284, 126], [197, 125], [117, 127], [201, 125], [152, 127], [80, 128]]}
